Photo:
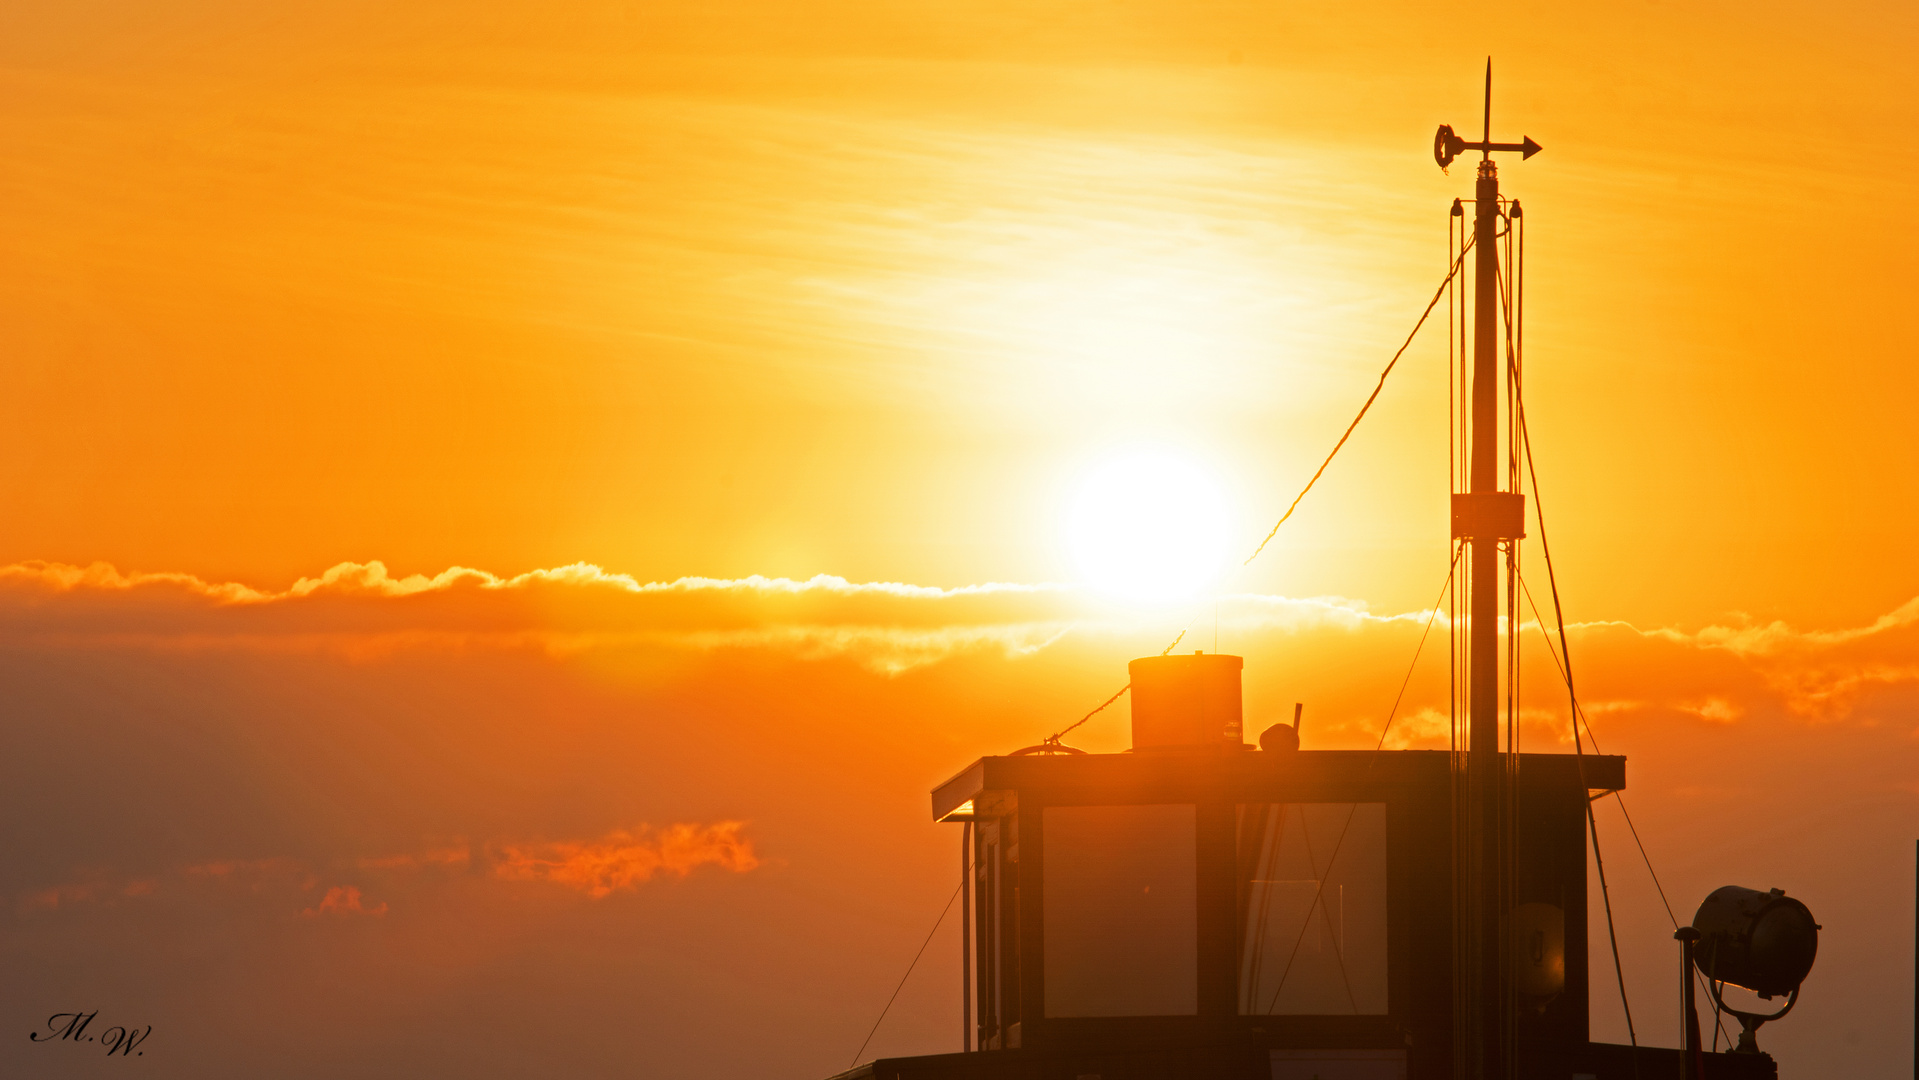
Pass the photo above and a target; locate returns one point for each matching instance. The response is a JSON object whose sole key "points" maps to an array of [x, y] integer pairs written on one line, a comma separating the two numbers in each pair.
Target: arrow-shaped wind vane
{"points": [[1447, 145]]}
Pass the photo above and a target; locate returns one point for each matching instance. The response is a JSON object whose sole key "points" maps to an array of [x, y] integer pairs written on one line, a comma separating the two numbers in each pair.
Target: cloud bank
{"points": [[435, 790], [1714, 673]]}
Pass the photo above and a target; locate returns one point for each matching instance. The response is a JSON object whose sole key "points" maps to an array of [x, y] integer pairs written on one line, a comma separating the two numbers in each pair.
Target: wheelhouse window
{"points": [[1312, 909], [1121, 911]]}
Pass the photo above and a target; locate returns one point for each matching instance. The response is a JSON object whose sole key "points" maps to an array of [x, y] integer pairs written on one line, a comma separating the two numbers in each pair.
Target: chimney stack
{"points": [[1186, 702]]}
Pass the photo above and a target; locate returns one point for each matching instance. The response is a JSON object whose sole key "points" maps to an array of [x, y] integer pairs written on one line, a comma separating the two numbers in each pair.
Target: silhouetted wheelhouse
{"points": [[1199, 907], [1197, 894]]}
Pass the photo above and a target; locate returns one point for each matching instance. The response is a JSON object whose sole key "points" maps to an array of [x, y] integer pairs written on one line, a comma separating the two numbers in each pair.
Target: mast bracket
{"points": [[1489, 515]]}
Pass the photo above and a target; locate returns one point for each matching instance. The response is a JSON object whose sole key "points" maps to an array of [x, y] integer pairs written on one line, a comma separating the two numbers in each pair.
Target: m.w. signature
{"points": [[72, 1027]]}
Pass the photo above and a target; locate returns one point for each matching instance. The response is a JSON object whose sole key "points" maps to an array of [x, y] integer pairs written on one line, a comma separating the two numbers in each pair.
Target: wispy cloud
{"points": [[362, 611], [446, 858], [353, 578], [247, 871], [1774, 638], [53, 897], [624, 859], [96, 887], [343, 901]]}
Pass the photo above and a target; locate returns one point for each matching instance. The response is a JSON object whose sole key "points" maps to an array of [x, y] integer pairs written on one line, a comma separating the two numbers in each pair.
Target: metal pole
{"points": [[1485, 1014], [966, 937], [1483, 764], [1692, 1065]]}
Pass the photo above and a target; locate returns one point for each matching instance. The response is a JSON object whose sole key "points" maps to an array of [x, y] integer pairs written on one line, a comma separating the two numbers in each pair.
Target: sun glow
{"points": [[1149, 525]]}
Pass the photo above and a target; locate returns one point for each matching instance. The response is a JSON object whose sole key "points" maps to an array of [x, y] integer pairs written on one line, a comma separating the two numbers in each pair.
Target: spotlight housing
{"points": [[1763, 941]]}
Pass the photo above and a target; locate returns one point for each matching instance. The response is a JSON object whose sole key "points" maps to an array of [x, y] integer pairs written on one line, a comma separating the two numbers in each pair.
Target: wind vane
{"points": [[1447, 145]]}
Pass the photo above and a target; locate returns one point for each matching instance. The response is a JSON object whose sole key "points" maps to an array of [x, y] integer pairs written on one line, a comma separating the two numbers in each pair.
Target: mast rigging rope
{"points": [[1451, 273], [1370, 398]]}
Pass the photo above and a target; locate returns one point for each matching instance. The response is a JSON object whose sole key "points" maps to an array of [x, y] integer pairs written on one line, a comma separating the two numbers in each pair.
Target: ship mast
{"points": [[1488, 520]]}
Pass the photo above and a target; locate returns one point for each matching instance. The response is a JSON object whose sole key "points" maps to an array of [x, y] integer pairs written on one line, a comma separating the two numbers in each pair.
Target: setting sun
{"points": [[1148, 524]]}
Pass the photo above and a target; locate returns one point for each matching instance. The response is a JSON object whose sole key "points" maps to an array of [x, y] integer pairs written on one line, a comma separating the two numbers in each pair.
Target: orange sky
{"points": [[862, 289]]}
